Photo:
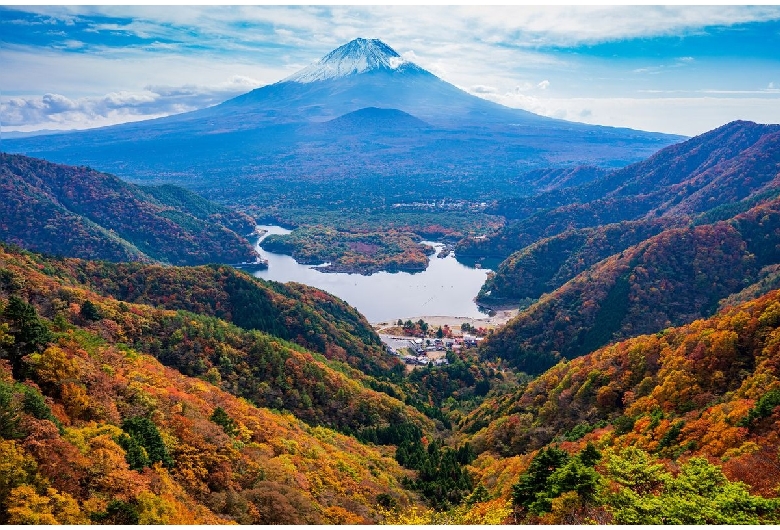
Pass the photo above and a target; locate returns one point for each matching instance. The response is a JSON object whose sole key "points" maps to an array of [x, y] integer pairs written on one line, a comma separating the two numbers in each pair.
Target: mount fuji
{"points": [[355, 57], [359, 114]]}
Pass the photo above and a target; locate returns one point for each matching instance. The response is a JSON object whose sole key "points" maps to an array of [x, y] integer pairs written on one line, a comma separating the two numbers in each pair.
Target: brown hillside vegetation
{"points": [[305, 315], [266, 369], [68, 464], [655, 404], [548, 263], [679, 427], [94, 429], [729, 164], [672, 278]]}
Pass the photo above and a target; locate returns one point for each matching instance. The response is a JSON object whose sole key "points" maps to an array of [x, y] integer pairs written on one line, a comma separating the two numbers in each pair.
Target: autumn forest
{"points": [[145, 381], [204, 245]]}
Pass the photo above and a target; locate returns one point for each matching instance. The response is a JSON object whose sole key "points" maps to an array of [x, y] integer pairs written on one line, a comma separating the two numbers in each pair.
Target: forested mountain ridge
{"points": [[652, 404], [305, 315], [259, 366], [93, 430], [76, 211], [547, 264], [669, 279], [658, 243], [678, 427], [726, 362], [727, 165]]}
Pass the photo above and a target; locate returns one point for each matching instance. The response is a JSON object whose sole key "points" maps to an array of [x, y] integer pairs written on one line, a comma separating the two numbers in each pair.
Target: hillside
{"points": [[307, 316], [547, 264], [76, 211], [120, 412], [718, 168], [709, 389], [678, 427], [658, 243], [197, 344], [672, 278], [723, 363], [131, 441]]}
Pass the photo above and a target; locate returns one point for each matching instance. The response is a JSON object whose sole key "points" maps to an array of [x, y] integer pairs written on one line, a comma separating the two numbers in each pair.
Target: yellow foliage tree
{"points": [[16, 468], [339, 515], [162, 509], [26, 506], [491, 512], [54, 366]]}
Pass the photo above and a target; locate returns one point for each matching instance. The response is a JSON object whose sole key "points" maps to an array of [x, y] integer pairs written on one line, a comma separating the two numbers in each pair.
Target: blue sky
{"points": [[671, 68]]}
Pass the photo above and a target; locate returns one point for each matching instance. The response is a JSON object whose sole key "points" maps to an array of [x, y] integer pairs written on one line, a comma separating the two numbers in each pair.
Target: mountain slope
{"points": [[255, 467], [663, 427], [307, 316], [370, 120], [97, 432], [550, 262], [723, 166], [679, 427], [258, 366], [669, 279], [708, 375], [76, 211]]}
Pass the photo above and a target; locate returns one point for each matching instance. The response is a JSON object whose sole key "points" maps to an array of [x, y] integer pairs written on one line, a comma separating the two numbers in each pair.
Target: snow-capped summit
{"points": [[355, 57]]}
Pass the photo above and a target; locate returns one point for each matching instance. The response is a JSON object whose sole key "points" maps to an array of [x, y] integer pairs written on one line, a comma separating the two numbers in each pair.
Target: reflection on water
{"points": [[445, 288]]}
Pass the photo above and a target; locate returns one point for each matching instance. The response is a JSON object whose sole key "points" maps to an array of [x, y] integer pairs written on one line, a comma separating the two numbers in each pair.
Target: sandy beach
{"points": [[501, 317]]}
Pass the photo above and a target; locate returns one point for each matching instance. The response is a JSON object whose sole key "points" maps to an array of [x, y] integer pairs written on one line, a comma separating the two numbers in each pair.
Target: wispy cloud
{"points": [[769, 90], [681, 115], [519, 25], [679, 63], [55, 111]]}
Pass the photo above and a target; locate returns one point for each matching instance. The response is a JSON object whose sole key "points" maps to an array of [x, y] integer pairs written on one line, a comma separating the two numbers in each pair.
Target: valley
{"points": [[452, 312]]}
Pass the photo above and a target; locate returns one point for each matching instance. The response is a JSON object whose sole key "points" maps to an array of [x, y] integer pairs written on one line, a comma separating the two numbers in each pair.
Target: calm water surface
{"points": [[445, 288]]}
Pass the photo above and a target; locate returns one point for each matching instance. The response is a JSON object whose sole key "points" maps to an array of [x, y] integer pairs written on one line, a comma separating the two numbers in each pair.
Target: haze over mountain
{"points": [[240, 150]]}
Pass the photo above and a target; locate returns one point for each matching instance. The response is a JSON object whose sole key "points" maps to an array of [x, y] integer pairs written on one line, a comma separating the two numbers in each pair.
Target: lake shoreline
{"points": [[445, 287], [501, 317]]}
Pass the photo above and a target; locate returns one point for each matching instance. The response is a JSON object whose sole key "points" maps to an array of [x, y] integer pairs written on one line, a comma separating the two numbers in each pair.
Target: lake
{"points": [[445, 288]]}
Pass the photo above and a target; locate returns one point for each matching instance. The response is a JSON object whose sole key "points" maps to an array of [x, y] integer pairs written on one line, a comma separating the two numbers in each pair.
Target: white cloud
{"points": [[29, 71], [570, 25], [677, 115], [54, 111], [769, 90], [679, 63], [482, 89], [543, 85], [56, 103], [523, 24]]}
